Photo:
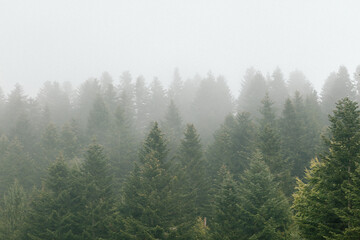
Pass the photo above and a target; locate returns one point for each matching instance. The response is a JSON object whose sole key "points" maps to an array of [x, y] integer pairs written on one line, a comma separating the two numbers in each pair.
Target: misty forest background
{"points": [[123, 159]]}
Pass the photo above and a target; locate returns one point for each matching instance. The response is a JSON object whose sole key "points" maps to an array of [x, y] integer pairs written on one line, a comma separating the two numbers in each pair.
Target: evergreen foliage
{"points": [[329, 181]]}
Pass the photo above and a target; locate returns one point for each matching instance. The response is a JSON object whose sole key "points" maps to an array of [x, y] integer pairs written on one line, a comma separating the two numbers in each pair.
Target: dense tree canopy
{"points": [[130, 159]]}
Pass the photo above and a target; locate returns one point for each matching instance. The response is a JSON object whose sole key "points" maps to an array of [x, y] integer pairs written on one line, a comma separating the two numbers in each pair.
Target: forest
{"points": [[127, 158]]}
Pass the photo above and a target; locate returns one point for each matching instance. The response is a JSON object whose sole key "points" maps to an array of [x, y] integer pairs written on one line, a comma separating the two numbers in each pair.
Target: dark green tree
{"points": [[123, 147], [327, 191], [55, 210], [191, 185], [234, 145], [226, 221], [269, 144], [265, 212], [12, 212], [15, 163], [98, 193], [147, 198]]}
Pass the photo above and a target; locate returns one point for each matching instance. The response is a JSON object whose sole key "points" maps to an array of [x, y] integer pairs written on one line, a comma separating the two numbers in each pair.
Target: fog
{"points": [[74, 40], [179, 120]]}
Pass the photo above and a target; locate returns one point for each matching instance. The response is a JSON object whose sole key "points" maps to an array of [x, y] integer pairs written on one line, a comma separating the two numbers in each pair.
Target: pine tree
{"points": [[338, 85], [127, 98], [154, 143], [291, 136], [122, 148], [15, 163], [329, 183], [193, 169], [142, 97], [15, 106], [69, 142], [12, 212], [191, 185], [269, 144], [252, 92], [173, 127], [55, 210], [147, 197], [56, 100], [265, 212], [99, 121], [158, 101], [298, 83], [225, 223], [49, 145], [278, 89], [234, 145], [84, 102], [212, 103], [97, 192]]}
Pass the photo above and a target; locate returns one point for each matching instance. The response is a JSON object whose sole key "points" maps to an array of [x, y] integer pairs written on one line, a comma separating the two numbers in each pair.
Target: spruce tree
{"points": [[265, 211], [99, 121], [147, 197], [191, 185], [12, 212], [173, 128], [98, 192], [55, 209], [327, 190], [269, 144], [226, 217]]}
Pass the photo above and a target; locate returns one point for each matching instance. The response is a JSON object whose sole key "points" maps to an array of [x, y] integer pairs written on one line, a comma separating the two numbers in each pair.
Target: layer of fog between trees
{"points": [[124, 159]]}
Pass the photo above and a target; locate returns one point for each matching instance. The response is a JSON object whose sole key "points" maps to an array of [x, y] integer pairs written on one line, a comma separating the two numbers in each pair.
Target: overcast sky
{"points": [[77, 39]]}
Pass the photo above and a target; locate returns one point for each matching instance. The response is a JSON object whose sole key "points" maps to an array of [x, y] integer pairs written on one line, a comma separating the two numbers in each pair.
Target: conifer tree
{"points": [[252, 92], [147, 196], [49, 145], [122, 148], [15, 106], [55, 210], [234, 145], [69, 142], [278, 90], [173, 127], [12, 212], [15, 163], [142, 97], [269, 144], [99, 121], [97, 192], [292, 136], [327, 191], [191, 185], [265, 212], [225, 223], [84, 102], [193, 170], [158, 101]]}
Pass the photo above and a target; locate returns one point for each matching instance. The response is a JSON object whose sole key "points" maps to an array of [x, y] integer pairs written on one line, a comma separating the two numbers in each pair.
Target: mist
{"points": [[66, 41], [179, 120]]}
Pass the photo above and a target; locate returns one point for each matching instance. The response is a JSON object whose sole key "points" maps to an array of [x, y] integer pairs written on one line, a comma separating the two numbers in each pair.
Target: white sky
{"points": [[72, 40]]}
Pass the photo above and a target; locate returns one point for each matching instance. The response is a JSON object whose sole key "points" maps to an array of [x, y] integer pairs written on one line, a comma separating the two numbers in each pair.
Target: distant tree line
{"points": [[127, 160]]}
